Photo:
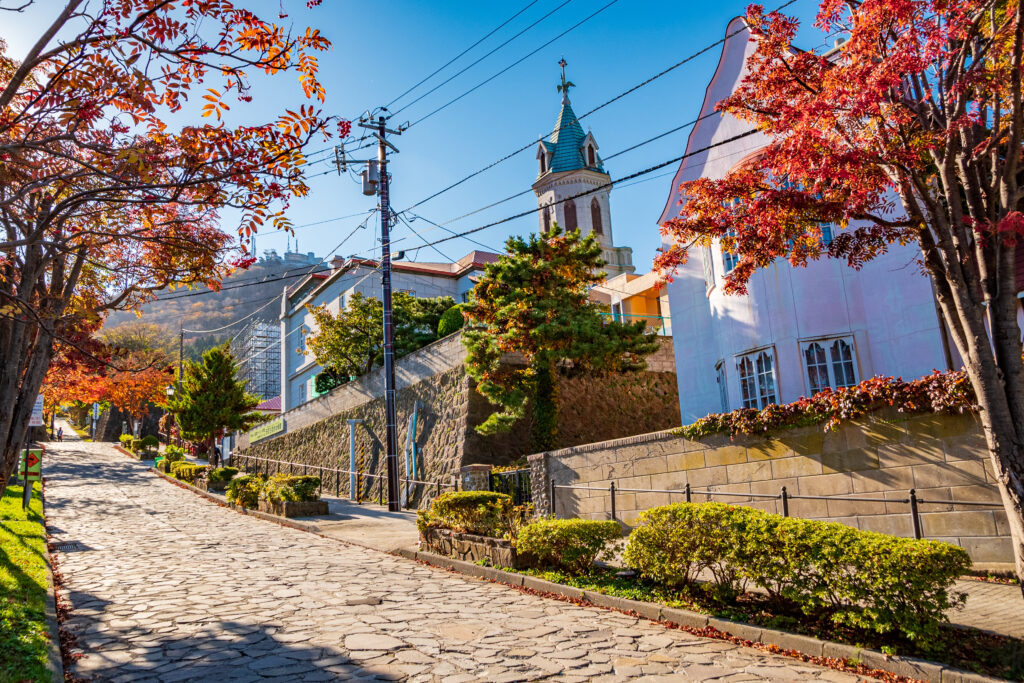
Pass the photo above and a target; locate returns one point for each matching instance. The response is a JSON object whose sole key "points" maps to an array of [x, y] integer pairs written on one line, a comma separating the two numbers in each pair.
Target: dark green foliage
{"points": [[857, 578], [245, 490], [174, 453], [150, 441], [451, 321], [211, 400], [289, 488], [327, 380], [221, 474], [352, 343], [535, 301], [568, 544]]}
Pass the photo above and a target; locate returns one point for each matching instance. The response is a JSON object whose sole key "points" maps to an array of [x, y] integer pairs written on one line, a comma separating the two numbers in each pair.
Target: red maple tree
{"points": [[911, 132], [102, 200]]}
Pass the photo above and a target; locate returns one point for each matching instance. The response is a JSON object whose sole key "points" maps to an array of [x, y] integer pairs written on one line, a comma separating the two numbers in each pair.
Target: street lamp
{"points": [[170, 395]]}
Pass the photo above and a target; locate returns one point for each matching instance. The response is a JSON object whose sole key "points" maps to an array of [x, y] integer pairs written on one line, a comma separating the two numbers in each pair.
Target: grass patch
{"points": [[964, 648], [24, 638]]}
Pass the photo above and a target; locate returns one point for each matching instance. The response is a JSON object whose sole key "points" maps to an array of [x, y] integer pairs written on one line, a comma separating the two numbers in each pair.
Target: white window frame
{"points": [[832, 365], [729, 259], [758, 378], [709, 271], [723, 386]]}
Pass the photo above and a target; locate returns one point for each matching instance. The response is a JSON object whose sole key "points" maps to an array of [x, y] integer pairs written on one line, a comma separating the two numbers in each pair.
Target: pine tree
{"points": [[535, 302], [211, 401]]}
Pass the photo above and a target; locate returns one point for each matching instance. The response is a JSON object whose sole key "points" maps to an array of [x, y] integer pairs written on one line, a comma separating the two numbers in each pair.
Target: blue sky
{"points": [[377, 55]]}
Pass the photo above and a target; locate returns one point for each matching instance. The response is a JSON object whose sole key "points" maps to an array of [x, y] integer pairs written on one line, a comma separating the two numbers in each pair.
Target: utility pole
{"points": [[380, 131]]}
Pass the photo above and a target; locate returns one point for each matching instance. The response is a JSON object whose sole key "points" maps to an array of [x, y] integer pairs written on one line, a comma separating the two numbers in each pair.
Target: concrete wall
{"points": [[943, 457]]}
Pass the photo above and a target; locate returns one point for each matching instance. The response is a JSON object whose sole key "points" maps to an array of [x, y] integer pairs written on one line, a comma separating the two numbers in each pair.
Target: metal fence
{"points": [[912, 500], [251, 463], [515, 483]]}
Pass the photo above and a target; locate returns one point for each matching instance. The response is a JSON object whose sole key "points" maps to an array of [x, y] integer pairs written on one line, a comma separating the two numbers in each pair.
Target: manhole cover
{"points": [[68, 546]]}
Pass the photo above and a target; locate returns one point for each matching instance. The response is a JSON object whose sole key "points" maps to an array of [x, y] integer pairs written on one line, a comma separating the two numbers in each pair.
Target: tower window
{"points": [[591, 157], [595, 216], [543, 164], [570, 215], [546, 212]]}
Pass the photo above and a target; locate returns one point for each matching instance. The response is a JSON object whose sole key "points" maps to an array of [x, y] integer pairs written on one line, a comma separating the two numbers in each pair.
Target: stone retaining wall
{"points": [[942, 457]]}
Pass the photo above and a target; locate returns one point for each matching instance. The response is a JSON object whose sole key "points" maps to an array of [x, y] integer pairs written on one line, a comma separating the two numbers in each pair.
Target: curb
{"points": [[911, 667], [55, 661]]}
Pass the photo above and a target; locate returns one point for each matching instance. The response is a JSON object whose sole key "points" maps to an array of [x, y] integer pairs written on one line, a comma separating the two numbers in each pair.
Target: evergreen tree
{"points": [[211, 401], [535, 302]]}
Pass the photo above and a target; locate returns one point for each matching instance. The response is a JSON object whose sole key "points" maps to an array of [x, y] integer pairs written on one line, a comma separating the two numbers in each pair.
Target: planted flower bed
{"points": [[292, 496], [217, 479]]}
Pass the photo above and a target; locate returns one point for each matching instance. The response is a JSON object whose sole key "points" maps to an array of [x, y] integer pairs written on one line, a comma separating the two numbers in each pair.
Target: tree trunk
{"points": [[545, 409]]}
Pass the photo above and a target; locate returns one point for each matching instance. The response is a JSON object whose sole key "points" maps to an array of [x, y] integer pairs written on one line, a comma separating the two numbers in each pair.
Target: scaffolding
{"points": [[257, 350]]}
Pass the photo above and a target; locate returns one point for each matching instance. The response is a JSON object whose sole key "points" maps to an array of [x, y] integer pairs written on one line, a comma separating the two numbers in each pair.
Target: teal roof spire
{"points": [[566, 141]]}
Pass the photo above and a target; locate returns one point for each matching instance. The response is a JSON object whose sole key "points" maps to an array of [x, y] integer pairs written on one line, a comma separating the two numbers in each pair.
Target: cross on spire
{"points": [[565, 85]]}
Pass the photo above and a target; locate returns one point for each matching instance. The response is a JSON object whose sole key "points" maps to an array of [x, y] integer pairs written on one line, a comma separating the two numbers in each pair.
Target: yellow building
{"points": [[630, 297]]}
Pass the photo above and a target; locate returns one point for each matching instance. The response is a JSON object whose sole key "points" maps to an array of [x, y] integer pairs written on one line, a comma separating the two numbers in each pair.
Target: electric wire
{"points": [[463, 53], [477, 61]]}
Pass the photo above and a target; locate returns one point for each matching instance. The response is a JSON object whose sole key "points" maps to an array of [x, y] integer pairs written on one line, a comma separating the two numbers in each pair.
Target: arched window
{"points": [[830, 364], [570, 215], [591, 157], [546, 212], [757, 379], [595, 216]]}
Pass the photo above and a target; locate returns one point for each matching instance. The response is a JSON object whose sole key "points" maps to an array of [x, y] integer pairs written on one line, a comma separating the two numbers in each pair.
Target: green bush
{"points": [[325, 381], [221, 474], [174, 453], [876, 582], [245, 490], [187, 471], [474, 512], [164, 466], [128, 441], [149, 441], [451, 321], [287, 488], [569, 544]]}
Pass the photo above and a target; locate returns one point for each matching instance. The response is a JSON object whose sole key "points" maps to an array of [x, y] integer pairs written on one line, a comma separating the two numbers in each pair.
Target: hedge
{"points": [[287, 488], [475, 512], [174, 453], [149, 441], [187, 471], [245, 490], [221, 474], [569, 544], [451, 321], [856, 578]]}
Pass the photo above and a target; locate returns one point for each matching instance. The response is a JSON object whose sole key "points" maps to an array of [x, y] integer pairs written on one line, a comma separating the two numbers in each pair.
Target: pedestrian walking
{"points": [[60, 433]]}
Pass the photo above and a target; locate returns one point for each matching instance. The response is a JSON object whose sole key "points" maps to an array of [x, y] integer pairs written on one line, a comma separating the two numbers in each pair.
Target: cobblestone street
{"points": [[169, 587]]}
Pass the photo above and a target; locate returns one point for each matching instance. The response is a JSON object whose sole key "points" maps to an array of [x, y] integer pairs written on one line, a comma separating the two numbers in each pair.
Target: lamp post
{"points": [[170, 395]]}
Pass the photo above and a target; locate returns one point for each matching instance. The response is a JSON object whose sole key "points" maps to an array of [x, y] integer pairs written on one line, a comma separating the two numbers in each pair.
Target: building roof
{"points": [[271, 405], [566, 142]]}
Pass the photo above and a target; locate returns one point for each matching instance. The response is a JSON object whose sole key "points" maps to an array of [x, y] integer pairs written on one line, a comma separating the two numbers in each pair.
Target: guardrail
{"points": [[783, 497], [437, 484]]}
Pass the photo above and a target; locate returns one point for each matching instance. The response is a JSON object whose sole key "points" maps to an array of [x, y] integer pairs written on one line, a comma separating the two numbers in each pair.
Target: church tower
{"points": [[569, 165]]}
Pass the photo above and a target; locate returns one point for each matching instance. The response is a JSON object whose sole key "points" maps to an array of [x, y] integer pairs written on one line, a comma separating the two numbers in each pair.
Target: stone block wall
{"points": [[882, 457], [317, 436]]}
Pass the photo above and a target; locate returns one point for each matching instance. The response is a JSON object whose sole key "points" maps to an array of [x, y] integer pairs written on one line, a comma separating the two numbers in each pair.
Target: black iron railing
{"points": [[784, 497]]}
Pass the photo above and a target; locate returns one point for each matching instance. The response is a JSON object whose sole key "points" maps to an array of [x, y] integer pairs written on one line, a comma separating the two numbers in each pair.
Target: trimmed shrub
{"points": [[245, 490], [221, 474], [164, 466], [327, 380], [474, 512], [127, 441], [451, 321], [174, 453], [287, 488], [149, 441], [569, 544], [876, 582], [187, 471]]}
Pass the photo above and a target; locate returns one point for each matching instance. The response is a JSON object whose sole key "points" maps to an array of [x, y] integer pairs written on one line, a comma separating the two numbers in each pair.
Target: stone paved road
{"points": [[170, 587]]}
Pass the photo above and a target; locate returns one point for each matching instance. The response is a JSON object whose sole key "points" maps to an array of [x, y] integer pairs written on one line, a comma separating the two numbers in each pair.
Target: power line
{"points": [[598, 188], [516, 63], [685, 60], [477, 61], [450, 231], [461, 54]]}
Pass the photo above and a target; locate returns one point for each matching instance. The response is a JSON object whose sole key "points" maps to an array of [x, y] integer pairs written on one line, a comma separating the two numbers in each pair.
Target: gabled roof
{"points": [[271, 405]]}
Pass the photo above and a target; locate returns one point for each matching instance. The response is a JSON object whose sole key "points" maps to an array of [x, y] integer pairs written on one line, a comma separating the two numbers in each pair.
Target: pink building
{"points": [[799, 329]]}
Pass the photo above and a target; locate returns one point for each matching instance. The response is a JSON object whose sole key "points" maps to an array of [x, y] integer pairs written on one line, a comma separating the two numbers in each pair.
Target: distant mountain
{"points": [[241, 294]]}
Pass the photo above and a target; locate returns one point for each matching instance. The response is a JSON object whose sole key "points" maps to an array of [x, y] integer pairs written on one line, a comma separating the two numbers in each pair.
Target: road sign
{"points": [[34, 459], [37, 413], [95, 411]]}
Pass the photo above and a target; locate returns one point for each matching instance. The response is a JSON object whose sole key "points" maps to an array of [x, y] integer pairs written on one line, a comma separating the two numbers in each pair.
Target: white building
{"points": [[798, 329], [335, 287], [569, 166]]}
